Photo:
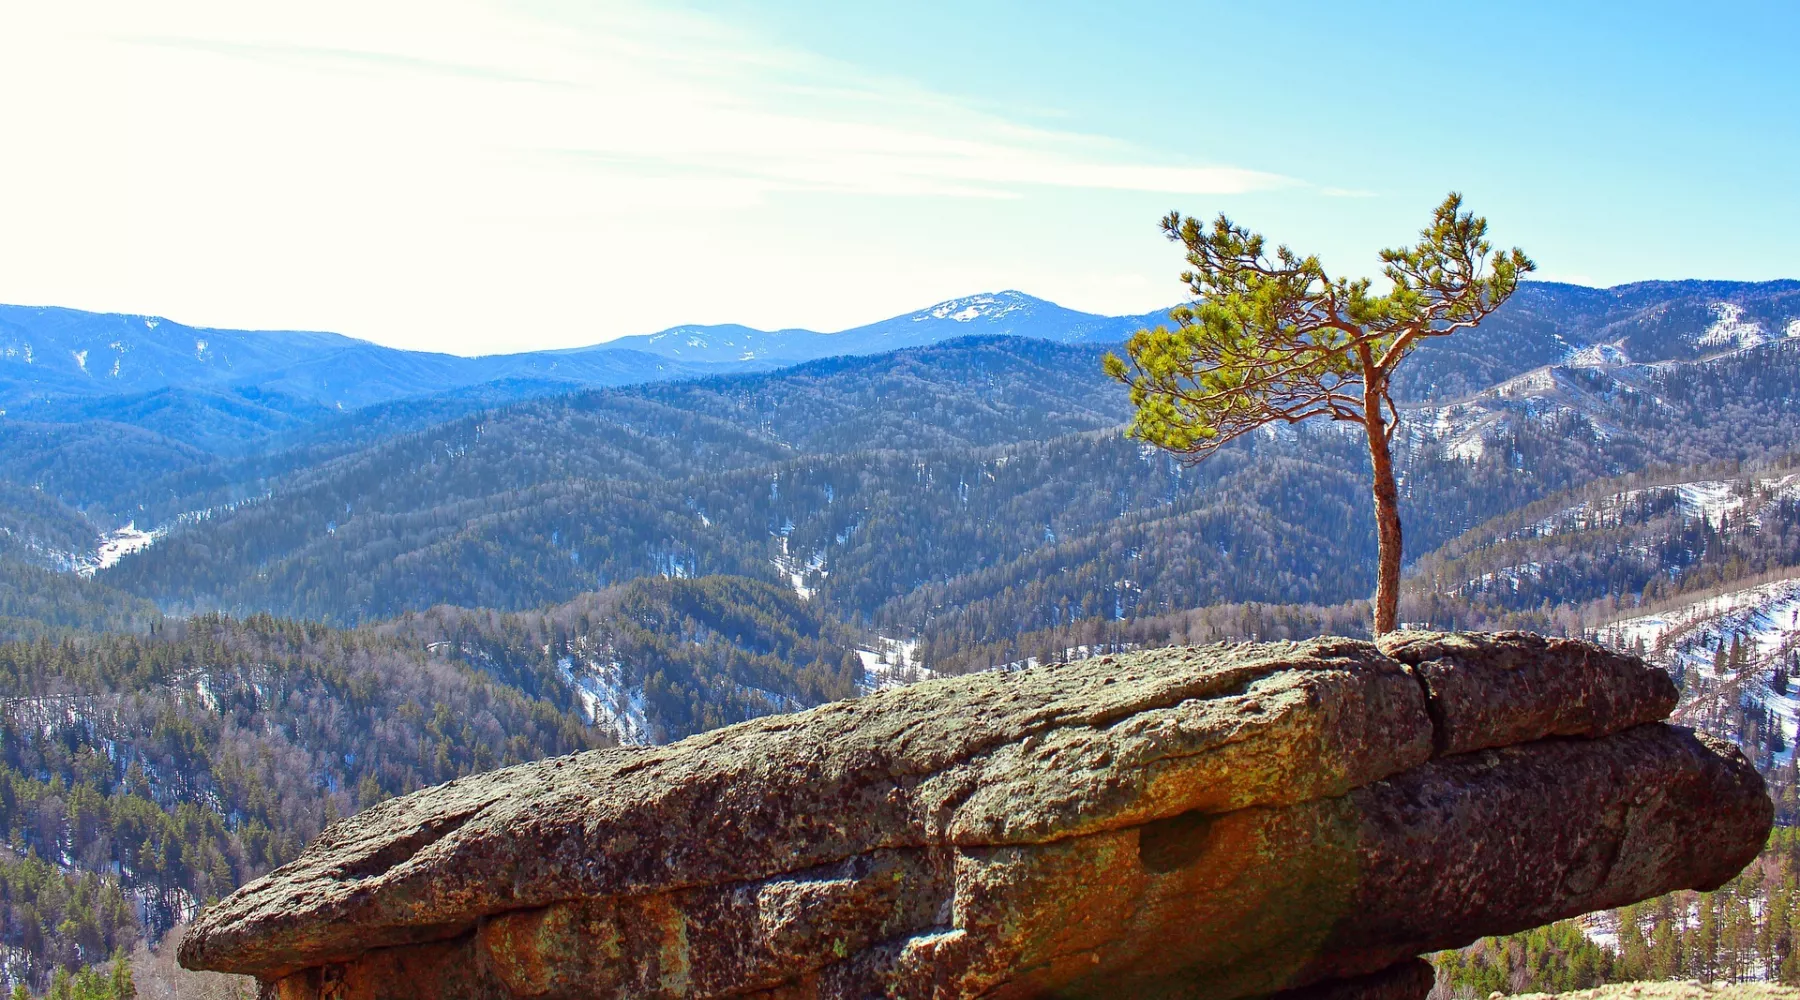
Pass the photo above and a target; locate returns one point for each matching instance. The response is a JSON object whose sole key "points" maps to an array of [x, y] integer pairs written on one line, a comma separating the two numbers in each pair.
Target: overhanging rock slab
{"points": [[1215, 822]]}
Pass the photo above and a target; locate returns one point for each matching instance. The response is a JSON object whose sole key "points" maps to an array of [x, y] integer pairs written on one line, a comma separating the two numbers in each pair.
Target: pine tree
{"points": [[122, 986], [1666, 945], [1703, 944], [1277, 340]]}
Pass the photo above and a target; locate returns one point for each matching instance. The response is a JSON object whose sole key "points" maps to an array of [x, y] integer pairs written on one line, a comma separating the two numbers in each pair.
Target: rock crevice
{"points": [[1215, 822]]}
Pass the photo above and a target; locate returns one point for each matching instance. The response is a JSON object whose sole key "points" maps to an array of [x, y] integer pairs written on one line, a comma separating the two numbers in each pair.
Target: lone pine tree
{"points": [[1278, 340]]}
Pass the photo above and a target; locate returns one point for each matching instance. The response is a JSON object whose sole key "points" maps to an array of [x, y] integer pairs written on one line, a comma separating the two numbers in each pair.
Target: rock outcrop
{"points": [[1216, 822]]}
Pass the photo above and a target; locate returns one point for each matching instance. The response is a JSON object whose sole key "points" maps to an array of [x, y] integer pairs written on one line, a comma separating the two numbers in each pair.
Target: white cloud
{"points": [[443, 173]]}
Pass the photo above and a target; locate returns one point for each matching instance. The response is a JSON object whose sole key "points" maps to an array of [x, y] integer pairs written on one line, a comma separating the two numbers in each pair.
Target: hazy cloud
{"points": [[363, 159]]}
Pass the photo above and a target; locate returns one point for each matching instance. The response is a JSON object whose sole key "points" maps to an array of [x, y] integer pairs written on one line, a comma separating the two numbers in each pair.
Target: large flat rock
{"points": [[1220, 822]]}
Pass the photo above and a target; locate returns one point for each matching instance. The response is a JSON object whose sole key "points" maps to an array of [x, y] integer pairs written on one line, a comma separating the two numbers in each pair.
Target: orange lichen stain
{"points": [[674, 966]]}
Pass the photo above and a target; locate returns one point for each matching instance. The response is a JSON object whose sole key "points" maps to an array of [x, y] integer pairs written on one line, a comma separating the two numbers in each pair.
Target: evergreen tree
{"points": [[121, 985], [1277, 340]]}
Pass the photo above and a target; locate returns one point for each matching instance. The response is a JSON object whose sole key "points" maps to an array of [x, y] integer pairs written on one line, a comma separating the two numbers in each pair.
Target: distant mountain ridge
{"points": [[1008, 313], [51, 355], [200, 413]]}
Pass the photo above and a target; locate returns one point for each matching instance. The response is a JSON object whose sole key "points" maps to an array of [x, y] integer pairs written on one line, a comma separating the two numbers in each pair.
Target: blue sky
{"points": [[474, 177]]}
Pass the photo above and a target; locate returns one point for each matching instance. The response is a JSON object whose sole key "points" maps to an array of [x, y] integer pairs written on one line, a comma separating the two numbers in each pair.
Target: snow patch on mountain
{"points": [[1713, 500], [797, 570], [1710, 500], [1603, 395], [989, 306], [607, 700], [893, 663], [1527, 386], [1596, 356], [203, 690], [114, 546], [1766, 618], [1759, 628], [1730, 330], [1468, 448], [1461, 428], [1505, 578]]}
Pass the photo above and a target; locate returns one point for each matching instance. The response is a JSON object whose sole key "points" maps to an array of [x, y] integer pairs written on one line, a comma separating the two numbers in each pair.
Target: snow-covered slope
{"points": [[607, 699], [1589, 394], [1637, 538], [1764, 618], [1712, 500], [1465, 427], [1737, 656]]}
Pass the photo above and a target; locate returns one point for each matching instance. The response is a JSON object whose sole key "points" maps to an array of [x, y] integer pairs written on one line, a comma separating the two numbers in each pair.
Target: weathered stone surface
{"points": [[993, 758], [1491, 690], [1222, 822]]}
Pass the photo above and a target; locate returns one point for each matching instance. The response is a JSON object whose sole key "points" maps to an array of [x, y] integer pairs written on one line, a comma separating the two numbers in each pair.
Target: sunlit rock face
{"points": [[1219, 822]]}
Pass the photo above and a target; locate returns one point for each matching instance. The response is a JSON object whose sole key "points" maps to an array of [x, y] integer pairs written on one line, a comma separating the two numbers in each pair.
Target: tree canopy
{"points": [[1276, 339]]}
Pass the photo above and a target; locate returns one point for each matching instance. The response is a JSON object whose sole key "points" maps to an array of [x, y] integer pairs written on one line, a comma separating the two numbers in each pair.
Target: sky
{"points": [[482, 177]]}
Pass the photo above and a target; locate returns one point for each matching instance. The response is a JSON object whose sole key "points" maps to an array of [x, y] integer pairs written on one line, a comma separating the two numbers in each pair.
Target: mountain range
{"points": [[49, 356], [224, 388], [254, 582]]}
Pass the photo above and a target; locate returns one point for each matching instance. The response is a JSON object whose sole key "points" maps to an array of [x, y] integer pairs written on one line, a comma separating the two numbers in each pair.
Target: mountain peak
{"points": [[987, 305]]}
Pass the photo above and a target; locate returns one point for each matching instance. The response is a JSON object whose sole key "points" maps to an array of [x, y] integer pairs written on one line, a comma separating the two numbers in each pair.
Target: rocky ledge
{"points": [[1219, 822]]}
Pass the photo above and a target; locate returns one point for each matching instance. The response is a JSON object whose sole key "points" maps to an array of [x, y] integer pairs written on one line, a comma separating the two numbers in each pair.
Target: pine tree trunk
{"points": [[1387, 505]]}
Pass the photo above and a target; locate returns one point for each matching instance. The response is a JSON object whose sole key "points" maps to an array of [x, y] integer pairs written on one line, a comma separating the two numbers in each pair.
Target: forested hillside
{"points": [[35, 601], [1641, 538], [510, 570], [159, 771], [981, 511], [659, 658]]}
